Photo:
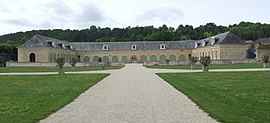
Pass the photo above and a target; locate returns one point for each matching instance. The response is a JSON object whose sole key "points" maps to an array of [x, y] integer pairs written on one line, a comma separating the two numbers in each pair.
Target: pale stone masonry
{"points": [[43, 49]]}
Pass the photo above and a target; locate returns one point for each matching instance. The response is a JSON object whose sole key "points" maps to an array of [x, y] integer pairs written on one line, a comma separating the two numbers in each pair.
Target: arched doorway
{"points": [[32, 57], [133, 59]]}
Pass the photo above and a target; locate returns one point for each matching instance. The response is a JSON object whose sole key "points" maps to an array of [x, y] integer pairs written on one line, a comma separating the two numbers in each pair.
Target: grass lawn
{"points": [[53, 69], [211, 66], [230, 97], [26, 99]]}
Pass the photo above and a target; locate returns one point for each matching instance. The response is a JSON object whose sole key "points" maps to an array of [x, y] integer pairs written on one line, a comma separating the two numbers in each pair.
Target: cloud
{"points": [[162, 15], [52, 14]]}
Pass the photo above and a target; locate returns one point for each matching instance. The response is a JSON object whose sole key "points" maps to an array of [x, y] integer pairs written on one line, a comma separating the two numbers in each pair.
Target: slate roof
{"points": [[264, 40], [223, 38], [125, 46], [42, 41]]}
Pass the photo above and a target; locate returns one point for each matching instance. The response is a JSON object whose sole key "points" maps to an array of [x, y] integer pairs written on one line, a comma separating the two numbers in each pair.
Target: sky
{"points": [[26, 15]]}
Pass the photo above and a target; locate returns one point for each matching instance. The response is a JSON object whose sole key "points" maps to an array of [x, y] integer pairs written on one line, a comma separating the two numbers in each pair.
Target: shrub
{"points": [[265, 59], [193, 60], [73, 62], [205, 61], [60, 62]]}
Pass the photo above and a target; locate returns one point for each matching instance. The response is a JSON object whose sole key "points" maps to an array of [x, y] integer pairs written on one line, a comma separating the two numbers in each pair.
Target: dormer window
{"points": [[203, 43], [196, 44], [63, 46], [60, 45], [105, 47], [162, 47], [214, 40], [133, 47], [53, 44]]}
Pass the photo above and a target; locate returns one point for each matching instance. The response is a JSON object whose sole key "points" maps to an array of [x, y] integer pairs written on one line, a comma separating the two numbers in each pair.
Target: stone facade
{"points": [[222, 47]]}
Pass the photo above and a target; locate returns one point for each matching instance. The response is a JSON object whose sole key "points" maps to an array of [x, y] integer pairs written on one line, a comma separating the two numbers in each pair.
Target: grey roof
{"points": [[42, 41], [124, 46], [223, 38], [264, 40]]}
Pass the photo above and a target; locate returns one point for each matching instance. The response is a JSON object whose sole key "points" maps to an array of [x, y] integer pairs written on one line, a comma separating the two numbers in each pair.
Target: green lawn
{"points": [[230, 97], [211, 66], [53, 69], [26, 99]]}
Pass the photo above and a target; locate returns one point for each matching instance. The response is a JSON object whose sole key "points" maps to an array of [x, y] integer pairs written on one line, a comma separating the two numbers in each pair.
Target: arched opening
{"points": [[133, 58], [86, 59], [182, 57], [172, 58], [162, 58], [153, 58], [143, 58], [32, 57], [105, 59], [124, 59], [114, 59]]}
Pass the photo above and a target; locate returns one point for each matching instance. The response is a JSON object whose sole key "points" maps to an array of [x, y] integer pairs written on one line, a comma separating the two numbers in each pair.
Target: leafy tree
{"points": [[73, 62], [193, 60], [205, 61], [265, 59], [2, 61], [60, 62]]}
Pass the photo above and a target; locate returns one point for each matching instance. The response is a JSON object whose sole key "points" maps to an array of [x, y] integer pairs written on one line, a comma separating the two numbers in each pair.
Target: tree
{"points": [[73, 62], [167, 61], [265, 59], [193, 61], [205, 61], [60, 62], [2, 61]]}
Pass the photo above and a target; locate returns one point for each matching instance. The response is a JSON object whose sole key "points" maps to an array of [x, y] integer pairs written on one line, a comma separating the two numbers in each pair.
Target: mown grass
{"points": [[27, 99], [229, 97], [211, 66], [54, 69]]}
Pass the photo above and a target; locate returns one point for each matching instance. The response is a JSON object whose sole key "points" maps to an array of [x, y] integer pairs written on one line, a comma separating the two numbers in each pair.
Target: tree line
{"points": [[245, 30]]}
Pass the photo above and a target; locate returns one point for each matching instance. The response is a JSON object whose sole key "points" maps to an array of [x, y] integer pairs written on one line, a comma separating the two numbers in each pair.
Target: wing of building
{"points": [[43, 49]]}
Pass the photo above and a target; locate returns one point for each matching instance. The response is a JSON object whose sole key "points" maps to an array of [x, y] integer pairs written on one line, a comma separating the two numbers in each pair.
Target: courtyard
{"points": [[136, 94]]}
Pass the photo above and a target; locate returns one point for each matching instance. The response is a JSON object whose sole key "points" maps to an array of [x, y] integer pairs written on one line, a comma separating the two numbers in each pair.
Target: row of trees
{"points": [[245, 30]]}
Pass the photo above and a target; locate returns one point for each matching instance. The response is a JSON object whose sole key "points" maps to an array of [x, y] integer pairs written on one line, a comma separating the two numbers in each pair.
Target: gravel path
{"points": [[132, 94]]}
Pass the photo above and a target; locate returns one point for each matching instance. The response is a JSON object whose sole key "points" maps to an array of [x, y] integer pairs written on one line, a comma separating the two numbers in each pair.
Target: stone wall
{"points": [[135, 56], [212, 51]]}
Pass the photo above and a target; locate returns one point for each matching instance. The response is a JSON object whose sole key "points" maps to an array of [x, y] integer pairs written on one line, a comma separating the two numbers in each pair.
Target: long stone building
{"points": [[43, 49]]}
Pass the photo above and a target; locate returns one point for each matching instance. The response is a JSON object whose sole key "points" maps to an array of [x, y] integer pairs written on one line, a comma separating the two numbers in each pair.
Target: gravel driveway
{"points": [[133, 94]]}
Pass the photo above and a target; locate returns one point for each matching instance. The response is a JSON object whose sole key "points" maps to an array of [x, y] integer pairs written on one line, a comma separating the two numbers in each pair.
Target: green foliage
{"points": [[99, 59], [28, 99], [245, 30], [2, 60], [205, 61], [73, 62], [52, 69], [193, 60], [167, 61], [265, 58], [212, 66], [60, 62], [229, 97]]}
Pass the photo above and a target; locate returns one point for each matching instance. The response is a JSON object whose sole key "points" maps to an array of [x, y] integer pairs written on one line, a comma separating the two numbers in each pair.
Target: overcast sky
{"points": [[24, 15]]}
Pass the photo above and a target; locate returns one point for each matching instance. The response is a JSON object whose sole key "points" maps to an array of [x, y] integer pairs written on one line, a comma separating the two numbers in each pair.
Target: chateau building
{"points": [[43, 49]]}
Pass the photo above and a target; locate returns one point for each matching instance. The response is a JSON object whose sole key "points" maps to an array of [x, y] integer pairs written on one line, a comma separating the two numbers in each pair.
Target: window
{"points": [[162, 47], [105, 47], [133, 47]]}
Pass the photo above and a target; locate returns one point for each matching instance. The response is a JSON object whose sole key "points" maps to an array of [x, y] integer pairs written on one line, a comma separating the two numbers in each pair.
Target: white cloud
{"points": [[160, 15]]}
